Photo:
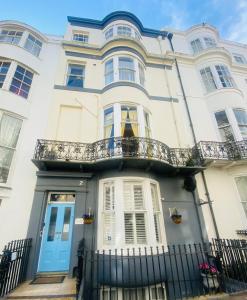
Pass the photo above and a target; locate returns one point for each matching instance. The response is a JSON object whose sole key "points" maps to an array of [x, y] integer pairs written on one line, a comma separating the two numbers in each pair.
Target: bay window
{"points": [[109, 33], [9, 132], [241, 118], [208, 79], [21, 82], [224, 76], [209, 42], [196, 46], [4, 67], [126, 69], [109, 72], [224, 126], [124, 30], [129, 122], [216, 77], [33, 45], [134, 217], [108, 123], [11, 36]]}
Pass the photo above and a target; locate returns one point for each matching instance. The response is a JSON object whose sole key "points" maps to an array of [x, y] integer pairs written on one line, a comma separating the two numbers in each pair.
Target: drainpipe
{"points": [[209, 202]]}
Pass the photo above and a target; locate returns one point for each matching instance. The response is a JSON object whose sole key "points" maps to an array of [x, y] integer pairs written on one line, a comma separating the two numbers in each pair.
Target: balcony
{"points": [[223, 153], [117, 152]]}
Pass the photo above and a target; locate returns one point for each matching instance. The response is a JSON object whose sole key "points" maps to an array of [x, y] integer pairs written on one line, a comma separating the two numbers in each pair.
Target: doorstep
{"points": [[64, 291]]}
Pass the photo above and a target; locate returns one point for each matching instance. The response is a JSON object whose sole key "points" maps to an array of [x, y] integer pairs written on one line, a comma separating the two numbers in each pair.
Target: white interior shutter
{"points": [[156, 211], [129, 228], [109, 219], [128, 198], [138, 197], [141, 236]]}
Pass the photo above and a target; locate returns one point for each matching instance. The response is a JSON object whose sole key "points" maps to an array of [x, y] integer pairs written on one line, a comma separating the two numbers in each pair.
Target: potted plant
{"points": [[176, 216], [88, 218], [209, 276]]}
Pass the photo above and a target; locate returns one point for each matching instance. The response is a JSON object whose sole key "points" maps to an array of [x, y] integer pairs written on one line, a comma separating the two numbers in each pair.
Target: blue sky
{"points": [[50, 16]]}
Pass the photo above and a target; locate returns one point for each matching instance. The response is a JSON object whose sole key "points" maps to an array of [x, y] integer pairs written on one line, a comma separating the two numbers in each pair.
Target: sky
{"points": [[50, 16]]}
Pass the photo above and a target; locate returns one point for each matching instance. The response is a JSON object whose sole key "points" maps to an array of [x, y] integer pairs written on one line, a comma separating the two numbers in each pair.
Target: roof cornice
{"points": [[117, 15]]}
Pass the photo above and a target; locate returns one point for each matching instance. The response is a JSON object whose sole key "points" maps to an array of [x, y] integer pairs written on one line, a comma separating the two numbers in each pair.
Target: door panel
{"points": [[56, 241]]}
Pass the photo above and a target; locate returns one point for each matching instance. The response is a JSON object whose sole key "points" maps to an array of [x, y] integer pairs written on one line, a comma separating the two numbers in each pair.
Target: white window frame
{"points": [[67, 72], [13, 37], [117, 119], [6, 75], [134, 32], [84, 35], [209, 42], [208, 81], [239, 58], [239, 125], [224, 126], [35, 45], [119, 213], [12, 164], [225, 78], [242, 202], [196, 45]]}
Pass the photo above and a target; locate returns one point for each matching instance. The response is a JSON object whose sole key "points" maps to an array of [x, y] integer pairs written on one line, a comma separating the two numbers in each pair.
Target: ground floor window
{"points": [[242, 189], [153, 293], [130, 212]]}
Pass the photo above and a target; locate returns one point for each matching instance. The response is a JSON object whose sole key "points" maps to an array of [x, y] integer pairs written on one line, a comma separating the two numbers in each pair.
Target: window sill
{"points": [[224, 90]]}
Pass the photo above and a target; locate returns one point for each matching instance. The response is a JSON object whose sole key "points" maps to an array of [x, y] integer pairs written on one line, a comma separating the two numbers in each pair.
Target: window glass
{"points": [[52, 224], [239, 58], [109, 72], [141, 74], [129, 123], [10, 36], [80, 37], [21, 82], [196, 46], [9, 132], [147, 125], [4, 67], [241, 117], [66, 224], [124, 30], [224, 126], [75, 76], [126, 69], [109, 33], [209, 42], [33, 45], [224, 76], [242, 189], [208, 79], [62, 197], [108, 123]]}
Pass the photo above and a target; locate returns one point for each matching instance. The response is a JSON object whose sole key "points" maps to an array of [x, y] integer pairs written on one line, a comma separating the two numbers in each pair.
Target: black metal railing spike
{"points": [[13, 264]]}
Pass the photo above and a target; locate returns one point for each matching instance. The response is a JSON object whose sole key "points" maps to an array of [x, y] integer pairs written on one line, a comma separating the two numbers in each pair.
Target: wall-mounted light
{"points": [[88, 218]]}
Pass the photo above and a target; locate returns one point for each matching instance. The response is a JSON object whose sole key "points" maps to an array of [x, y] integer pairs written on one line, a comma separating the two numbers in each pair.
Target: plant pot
{"points": [[177, 219], [210, 281]]}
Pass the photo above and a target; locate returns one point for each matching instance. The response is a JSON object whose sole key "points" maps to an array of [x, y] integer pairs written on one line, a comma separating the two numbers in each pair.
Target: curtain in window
{"points": [[126, 69], [129, 126], [9, 132], [109, 76]]}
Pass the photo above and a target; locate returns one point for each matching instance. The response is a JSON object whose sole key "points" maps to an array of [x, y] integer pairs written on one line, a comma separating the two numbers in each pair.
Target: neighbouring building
{"points": [[122, 127]]}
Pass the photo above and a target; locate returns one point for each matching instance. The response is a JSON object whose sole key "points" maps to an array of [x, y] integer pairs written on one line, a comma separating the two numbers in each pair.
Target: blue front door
{"points": [[56, 240]]}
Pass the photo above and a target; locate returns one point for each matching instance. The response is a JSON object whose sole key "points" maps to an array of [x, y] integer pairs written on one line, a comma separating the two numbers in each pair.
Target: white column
{"points": [[115, 68], [117, 119], [137, 75], [234, 123], [141, 121]]}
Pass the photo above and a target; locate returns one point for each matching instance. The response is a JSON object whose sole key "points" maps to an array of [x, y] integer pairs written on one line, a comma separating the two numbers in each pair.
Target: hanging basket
{"points": [[88, 219], [177, 219]]}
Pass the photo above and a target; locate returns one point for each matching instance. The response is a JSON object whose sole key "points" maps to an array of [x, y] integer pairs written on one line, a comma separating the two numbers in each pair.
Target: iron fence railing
{"points": [[13, 265], [234, 150], [116, 147], [165, 272]]}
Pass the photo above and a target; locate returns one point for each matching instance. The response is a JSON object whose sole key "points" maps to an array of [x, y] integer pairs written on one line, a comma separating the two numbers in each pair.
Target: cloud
{"points": [[238, 31]]}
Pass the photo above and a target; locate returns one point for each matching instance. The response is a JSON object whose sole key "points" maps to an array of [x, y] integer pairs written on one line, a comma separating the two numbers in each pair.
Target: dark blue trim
{"points": [[116, 49], [116, 15], [112, 85]]}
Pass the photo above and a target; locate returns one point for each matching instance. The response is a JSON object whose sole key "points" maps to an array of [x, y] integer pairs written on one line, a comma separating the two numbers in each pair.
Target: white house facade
{"points": [[119, 136]]}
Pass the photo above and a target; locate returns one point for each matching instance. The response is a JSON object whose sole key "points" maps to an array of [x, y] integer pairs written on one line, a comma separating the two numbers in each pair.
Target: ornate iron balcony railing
{"points": [[117, 147], [223, 150]]}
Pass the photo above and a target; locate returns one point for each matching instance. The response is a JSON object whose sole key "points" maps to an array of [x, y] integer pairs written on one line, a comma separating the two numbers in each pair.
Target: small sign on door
{"points": [[79, 221]]}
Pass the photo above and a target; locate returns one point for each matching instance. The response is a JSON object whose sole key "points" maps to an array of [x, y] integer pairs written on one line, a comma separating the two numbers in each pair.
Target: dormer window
{"points": [[196, 46], [240, 59], [209, 42], [33, 45], [81, 37], [10, 36], [200, 44], [124, 30]]}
